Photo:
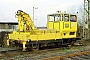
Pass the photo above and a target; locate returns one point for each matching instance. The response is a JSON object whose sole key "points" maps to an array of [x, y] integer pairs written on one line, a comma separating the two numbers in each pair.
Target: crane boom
{"points": [[25, 22]]}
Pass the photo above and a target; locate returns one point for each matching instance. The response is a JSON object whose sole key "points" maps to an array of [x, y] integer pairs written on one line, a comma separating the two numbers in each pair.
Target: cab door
{"points": [[66, 22], [73, 20]]}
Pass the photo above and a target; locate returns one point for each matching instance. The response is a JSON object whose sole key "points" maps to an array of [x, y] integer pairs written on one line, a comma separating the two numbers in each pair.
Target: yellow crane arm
{"points": [[25, 22]]}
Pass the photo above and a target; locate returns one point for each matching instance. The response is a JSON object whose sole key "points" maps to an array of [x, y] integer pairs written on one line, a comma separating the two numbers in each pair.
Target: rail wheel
{"points": [[35, 47], [58, 44], [72, 42]]}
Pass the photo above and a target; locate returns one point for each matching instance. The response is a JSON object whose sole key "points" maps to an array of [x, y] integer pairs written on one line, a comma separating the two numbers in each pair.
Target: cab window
{"points": [[66, 17], [51, 18], [55, 17], [73, 18]]}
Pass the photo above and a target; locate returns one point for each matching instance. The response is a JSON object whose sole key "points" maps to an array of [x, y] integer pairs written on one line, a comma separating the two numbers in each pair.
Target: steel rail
{"points": [[67, 55]]}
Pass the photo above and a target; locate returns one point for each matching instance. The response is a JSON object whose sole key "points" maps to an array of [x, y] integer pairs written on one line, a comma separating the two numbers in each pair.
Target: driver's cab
{"points": [[63, 22]]}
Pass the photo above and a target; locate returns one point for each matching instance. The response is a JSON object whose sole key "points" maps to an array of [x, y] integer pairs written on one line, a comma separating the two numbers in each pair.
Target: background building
{"points": [[5, 28]]}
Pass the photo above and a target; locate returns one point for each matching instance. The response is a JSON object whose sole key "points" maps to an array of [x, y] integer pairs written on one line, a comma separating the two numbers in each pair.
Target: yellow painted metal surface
{"points": [[24, 47], [66, 26], [34, 37], [57, 25], [25, 22], [63, 26], [50, 25], [74, 26]]}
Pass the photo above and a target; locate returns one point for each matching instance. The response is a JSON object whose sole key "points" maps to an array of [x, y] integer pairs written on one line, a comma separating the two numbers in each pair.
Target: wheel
{"points": [[35, 47], [72, 42], [56, 43]]}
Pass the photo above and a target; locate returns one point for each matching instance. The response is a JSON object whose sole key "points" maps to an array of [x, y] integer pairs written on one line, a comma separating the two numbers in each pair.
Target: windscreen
{"points": [[55, 17], [51, 18], [73, 18], [66, 17]]}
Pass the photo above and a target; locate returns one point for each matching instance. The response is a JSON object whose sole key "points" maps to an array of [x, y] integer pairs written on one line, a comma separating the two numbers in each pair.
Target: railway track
{"points": [[82, 55], [33, 55], [71, 56], [12, 53], [19, 52]]}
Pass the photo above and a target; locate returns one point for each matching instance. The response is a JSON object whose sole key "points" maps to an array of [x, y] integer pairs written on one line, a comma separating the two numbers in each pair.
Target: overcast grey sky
{"points": [[9, 7]]}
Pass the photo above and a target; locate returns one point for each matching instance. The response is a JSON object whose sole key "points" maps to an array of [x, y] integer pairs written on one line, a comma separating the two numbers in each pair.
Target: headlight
{"points": [[28, 40], [66, 25]]}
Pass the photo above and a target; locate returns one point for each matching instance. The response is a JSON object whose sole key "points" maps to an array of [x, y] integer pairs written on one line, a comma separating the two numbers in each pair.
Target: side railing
{"points": [[8, 30]]}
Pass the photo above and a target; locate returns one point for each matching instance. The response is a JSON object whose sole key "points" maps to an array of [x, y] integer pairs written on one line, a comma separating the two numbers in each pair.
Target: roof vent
{"points": [[64, 11], [58, 11]]}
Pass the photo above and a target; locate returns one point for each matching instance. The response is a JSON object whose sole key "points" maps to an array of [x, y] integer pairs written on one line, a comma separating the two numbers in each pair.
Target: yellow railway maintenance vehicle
{"points": [[61, 29]]}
